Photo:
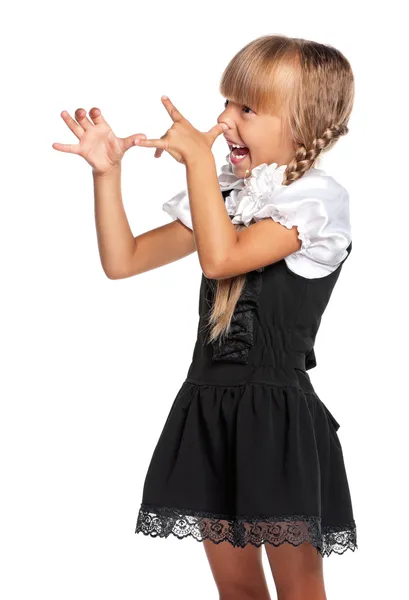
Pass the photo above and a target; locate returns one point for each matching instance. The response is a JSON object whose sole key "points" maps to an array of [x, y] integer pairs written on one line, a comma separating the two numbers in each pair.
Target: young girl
{"points": [[249, 454]]}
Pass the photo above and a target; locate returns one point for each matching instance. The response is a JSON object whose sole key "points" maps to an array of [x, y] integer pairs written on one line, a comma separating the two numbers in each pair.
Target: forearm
{"points": [[116, 242], [215, 235]]}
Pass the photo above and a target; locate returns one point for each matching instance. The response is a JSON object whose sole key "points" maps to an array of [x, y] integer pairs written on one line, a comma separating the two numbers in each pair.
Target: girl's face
{"points": [[262, 135]]}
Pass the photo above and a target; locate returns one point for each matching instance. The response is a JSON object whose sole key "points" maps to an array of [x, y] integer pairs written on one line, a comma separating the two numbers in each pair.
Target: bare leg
{"points": [[297, 571], [238, 572]]}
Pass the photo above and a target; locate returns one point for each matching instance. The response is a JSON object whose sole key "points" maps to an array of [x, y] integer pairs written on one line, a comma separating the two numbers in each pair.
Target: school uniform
{"points": [[249, 453]]}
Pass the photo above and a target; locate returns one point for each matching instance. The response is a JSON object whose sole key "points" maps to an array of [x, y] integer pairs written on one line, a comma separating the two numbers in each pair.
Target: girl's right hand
{"points": [[97, 142]]}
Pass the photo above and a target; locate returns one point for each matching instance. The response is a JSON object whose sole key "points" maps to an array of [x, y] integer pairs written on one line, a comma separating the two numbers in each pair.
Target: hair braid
{"points": [[304, 159]]}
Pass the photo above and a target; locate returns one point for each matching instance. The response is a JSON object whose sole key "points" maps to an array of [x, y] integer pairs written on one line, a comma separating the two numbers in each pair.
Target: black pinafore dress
{"points": [[249, 453]]}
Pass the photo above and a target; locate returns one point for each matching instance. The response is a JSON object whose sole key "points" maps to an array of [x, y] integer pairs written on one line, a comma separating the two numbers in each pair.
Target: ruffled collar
{"points": [[247, 195]]}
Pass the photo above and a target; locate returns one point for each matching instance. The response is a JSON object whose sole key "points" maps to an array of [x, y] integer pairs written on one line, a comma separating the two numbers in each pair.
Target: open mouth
{"points": [[237, 153]]}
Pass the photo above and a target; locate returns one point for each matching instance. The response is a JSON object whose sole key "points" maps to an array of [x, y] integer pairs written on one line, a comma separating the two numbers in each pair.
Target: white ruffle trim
{"points": [[316, 204]]}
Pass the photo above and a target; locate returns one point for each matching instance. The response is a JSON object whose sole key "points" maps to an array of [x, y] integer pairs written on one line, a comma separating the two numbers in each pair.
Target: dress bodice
{"points": [[276, 319], [272, 332]]}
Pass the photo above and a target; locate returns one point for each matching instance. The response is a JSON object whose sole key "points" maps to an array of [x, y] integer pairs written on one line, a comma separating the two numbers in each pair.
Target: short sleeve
{"points": [[178, 207], [319, 207], [316, 204]]}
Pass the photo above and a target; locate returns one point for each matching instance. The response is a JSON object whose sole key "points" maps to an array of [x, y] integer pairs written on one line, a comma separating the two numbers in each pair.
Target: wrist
{"points": [[198, 159], [112, 172]]}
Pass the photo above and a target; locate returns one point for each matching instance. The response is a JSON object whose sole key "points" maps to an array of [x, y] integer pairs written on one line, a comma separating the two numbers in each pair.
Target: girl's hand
{"points": [[182, 140], [98, 144]]}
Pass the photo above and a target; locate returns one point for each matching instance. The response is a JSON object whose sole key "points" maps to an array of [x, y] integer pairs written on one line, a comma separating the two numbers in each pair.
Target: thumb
{"points": [[129, 141], [217, 130]]}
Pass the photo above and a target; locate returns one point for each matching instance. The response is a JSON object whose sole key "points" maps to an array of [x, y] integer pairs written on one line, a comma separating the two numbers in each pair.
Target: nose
{"points": [[228, 122], [225, 117]]}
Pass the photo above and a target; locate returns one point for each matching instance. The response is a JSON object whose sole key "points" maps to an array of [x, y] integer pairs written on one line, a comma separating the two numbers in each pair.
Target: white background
{"points": [[90, 366]]}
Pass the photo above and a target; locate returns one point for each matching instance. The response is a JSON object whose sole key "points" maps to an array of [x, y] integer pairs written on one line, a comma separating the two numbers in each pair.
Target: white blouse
{"points": [[316, 204]]}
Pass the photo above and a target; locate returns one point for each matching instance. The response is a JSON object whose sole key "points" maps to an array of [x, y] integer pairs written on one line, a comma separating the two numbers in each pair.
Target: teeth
{"points": [[235, 145]]}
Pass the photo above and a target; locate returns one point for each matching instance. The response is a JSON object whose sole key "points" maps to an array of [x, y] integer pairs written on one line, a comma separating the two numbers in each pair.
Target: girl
{"points": [[249, 454]]}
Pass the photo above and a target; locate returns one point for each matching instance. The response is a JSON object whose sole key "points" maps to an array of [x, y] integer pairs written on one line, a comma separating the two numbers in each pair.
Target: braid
{"points": [[304, 159]]}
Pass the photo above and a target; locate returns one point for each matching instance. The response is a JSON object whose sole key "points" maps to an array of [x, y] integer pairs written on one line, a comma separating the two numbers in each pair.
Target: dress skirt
{"points": [[249, 463]]}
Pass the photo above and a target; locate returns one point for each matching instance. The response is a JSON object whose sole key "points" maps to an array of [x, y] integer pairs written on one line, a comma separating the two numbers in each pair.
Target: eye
{"points": [[244, 107]]}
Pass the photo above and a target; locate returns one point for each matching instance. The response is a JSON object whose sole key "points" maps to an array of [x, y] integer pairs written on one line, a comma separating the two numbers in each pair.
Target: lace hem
{"points": [[293, 529]]}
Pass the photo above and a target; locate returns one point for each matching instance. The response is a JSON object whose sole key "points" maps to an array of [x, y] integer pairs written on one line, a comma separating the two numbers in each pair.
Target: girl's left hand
{"points": [[182, 140]]}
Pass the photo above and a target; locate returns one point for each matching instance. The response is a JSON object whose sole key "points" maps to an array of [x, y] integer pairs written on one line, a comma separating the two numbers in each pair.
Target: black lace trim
{"points": [[234, 347], [293, 529]]}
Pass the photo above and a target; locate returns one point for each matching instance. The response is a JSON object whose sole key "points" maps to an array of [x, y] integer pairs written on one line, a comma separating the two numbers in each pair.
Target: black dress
{"points": [[249, 453]]}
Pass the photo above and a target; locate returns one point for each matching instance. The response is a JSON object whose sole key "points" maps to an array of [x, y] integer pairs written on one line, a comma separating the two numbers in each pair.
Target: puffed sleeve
{"points": [[178, 208], [319, 207]]}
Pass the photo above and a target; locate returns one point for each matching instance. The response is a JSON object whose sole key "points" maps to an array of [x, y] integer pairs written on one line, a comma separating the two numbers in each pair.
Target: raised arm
{"points": [[123, 255]]}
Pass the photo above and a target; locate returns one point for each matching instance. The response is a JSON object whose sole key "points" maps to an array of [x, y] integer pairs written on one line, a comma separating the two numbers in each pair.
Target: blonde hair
{"points": [[311, 87]]}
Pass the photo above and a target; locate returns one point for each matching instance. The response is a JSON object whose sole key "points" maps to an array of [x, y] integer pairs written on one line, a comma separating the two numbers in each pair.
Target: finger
{"points": [[159, 151], [73, 125], [217, 130], [174, 114], [129, 141], [152, 143], [72, 148], [96, 116], [81, 117]]}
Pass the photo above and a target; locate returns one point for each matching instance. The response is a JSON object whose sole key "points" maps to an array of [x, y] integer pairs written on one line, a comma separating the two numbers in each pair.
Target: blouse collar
{"points": [[229, 181], [250, 193], [247, 193]]}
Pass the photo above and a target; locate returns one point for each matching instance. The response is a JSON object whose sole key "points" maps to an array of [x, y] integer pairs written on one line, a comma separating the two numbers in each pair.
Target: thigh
{"points": [[297, 571], [238, 572]]}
